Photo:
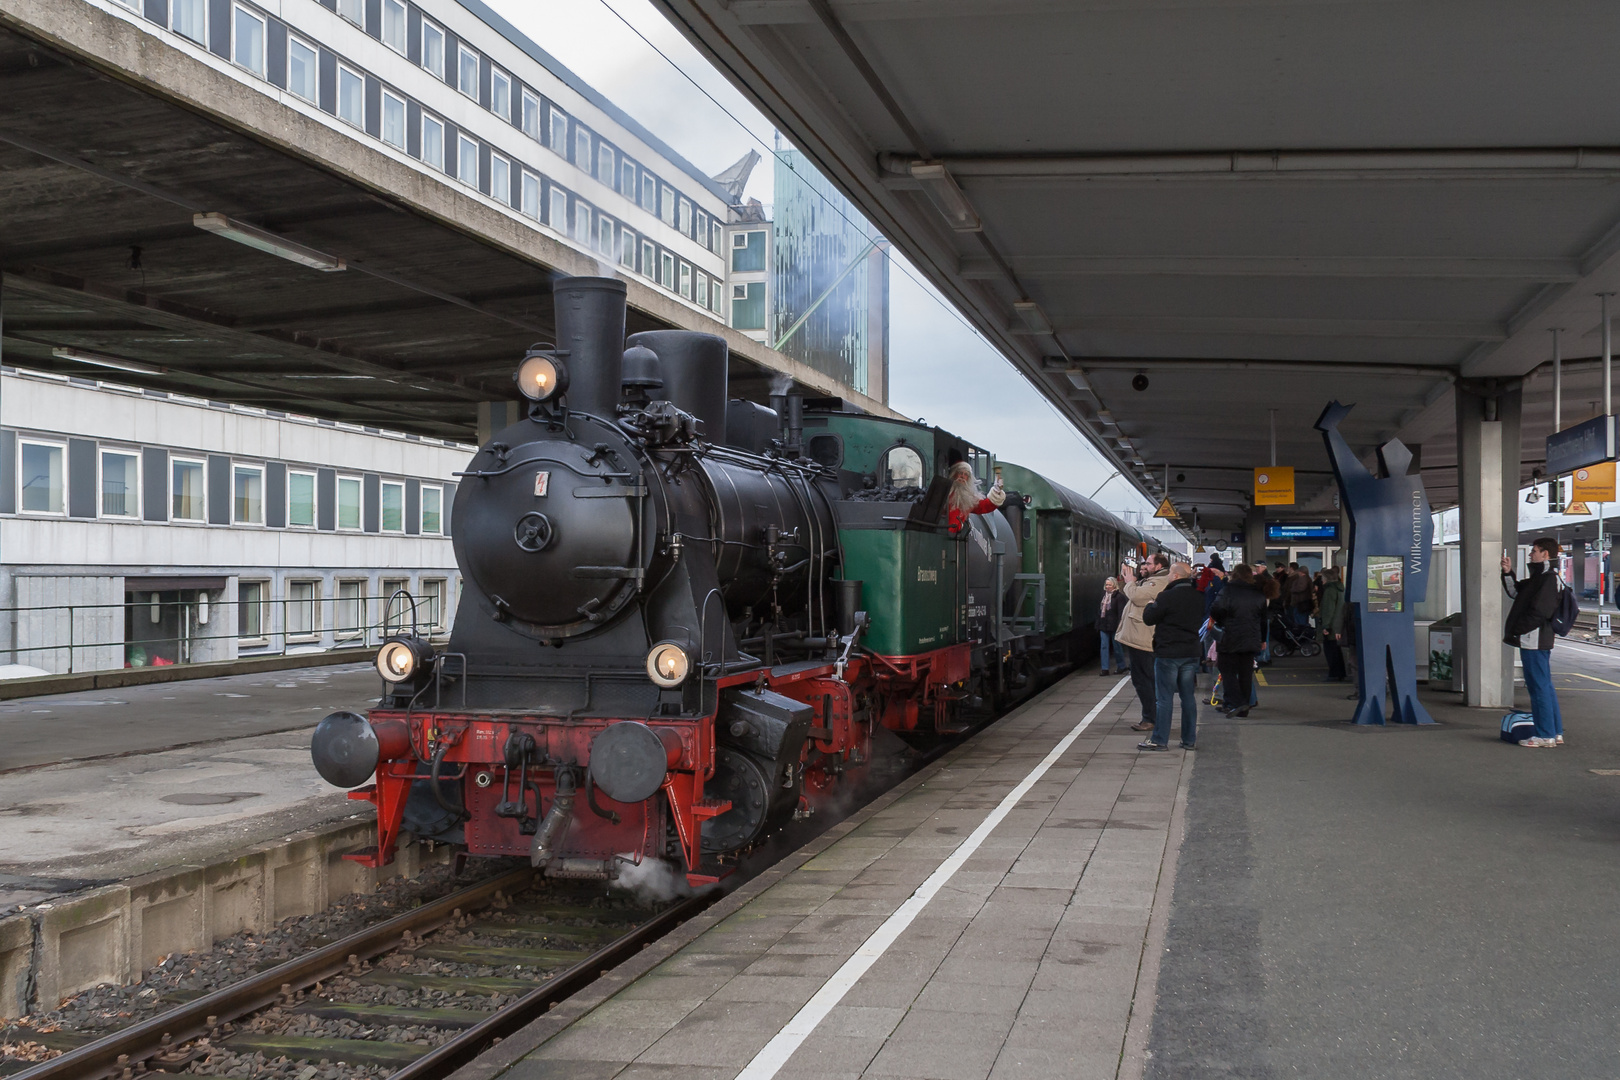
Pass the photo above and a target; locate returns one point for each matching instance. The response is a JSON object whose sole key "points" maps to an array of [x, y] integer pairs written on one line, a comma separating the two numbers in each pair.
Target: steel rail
{"points": [[448, 1057], [191, 1021]]}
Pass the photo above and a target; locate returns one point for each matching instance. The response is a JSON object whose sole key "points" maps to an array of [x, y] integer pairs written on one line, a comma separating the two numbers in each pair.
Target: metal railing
{"points": [[75, 638]]}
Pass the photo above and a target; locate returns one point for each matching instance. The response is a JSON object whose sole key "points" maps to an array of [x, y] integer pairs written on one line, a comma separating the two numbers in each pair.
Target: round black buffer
{"points": [[345, 750], [533, 531], [628, 761]]}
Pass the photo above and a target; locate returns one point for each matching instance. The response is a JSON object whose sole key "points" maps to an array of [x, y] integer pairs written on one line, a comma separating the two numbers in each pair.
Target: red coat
{"points": [[958, 520]]}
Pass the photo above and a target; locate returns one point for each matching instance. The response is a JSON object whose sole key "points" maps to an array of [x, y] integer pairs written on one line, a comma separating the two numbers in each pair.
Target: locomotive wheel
{"points": [[743, 780]]}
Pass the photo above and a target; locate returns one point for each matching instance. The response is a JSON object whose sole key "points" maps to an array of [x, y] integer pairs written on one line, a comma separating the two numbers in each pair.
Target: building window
{"points": [[666, 270], [686, 280], [500, 94], [715, 298], [348, 507], [666, 204], [649, 194], [714, 238], [393, 507], [606, 164], [559, 132], [466, 160], [393, 25], [248, 47], [393, 120], [250, 610], [430, 609], [467, 71], [531, 195], [433, 48], [604, 235], [748, 252], [531, 115], [120, 484], [559, 210], [500, 178], [627, 248], [186, 490], [301, 500], [648, 258], [683, 216], [350, 618], [582, 224], [396, 611], [247, 495], [748, 306], [432, 511], [190, 19], [351, 97], [582, 148], [303, 609], [42, 477], [627, 180], [703, 290], [301, 69], [432, 142], [700, 228], [353, 10]]}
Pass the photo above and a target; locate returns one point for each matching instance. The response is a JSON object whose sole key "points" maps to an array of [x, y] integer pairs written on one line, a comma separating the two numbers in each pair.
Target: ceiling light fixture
{"points": [[947, 197], [98, 360], [1033, 318], [263, 240]]}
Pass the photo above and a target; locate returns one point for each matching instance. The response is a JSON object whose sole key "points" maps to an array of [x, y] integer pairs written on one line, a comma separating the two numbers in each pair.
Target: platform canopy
{"points": [[1257, 204]]}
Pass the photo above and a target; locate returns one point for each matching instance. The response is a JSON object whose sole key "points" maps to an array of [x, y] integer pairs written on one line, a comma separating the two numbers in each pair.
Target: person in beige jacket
{"points": [[1136, 635]]}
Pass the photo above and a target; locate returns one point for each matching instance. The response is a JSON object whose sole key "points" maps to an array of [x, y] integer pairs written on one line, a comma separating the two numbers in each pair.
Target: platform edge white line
{"points": [[775, 1054]]}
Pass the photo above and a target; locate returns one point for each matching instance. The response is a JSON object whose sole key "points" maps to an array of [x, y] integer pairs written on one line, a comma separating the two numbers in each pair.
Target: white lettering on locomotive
{"points": [[930, 576]]}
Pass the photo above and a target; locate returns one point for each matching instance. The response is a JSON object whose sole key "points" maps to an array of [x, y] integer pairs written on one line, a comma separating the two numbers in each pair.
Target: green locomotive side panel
{"points": [[913, 589]]}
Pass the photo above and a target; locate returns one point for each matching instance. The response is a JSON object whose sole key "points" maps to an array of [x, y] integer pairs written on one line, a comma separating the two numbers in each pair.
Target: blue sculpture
{"points": [[1391, 533]]}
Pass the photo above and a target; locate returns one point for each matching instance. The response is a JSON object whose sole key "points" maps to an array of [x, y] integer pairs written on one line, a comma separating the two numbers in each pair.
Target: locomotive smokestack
{"points": [[590, 330]]}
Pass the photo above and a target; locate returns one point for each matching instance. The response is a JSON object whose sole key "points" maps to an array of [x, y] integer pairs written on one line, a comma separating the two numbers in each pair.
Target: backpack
{"points": [[1564, 616], [1517, 727]]}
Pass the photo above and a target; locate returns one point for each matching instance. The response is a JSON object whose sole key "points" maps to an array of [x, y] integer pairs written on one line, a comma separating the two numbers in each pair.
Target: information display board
{"points": [[1326, 532], [1384, 588]]}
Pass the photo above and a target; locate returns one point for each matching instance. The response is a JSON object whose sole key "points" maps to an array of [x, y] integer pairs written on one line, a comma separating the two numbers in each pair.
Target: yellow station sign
{"points": [[1274, 486], [1595, 483]]}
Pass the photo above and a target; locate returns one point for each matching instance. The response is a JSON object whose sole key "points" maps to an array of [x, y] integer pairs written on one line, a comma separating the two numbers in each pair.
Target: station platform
{"points": [[1298, 896]]}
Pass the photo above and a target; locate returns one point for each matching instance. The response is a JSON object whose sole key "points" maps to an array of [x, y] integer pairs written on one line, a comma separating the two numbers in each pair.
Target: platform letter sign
{"points": [[1274, 486], [1581, 445], [1391, 533], [1595, 483]]}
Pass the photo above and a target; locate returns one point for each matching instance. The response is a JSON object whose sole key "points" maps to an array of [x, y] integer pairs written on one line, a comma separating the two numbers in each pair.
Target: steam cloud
{"points": [[652, 881]]}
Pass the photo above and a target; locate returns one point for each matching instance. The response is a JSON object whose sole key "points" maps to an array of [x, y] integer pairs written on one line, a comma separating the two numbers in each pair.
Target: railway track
{"points": [[418, 995]]}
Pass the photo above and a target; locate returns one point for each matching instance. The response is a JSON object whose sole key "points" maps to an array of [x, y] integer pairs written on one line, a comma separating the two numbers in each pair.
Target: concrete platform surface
{"points": [[1025, 960], [138, 719]]}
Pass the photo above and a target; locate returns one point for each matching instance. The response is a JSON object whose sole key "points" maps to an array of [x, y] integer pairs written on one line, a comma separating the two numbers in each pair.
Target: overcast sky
{"points": [[941, 370]]}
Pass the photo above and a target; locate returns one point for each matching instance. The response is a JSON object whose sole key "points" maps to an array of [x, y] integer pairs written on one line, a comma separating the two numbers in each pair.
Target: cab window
{"points": [[902, 467]]}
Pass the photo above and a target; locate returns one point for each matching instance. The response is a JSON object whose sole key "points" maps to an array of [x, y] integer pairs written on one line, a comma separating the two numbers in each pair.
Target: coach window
{"points": [[301, 499], [190, 19], [301, 69], [247, 495], [120, 484], [186, 490], [531, 196], [393, 25], [353, 10], [393, 507], [393, 120], [42, 477], [531, 115], [247, 48], [432, 510], [432, 142], [902, 467], [348, 502], [351, 97], [500, 178], [467, 160], [467, 71], [500, 94], [433, 48]]}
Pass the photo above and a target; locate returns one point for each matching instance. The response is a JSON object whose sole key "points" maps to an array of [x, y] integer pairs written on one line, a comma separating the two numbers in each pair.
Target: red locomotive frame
{"points": [[903, 693]]}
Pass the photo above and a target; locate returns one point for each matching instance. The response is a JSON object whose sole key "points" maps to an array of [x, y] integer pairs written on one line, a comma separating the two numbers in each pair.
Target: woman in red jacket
{"points": [[965, 498]]}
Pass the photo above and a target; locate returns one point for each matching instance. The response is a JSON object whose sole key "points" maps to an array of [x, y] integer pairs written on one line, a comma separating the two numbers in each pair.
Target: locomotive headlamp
{"points": [[541, 377], [668, 664], [401, 658]]}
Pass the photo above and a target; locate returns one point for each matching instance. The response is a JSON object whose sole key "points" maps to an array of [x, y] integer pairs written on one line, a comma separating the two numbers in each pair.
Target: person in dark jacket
{"points": [[1330, 609], [1530, 630], [1240, 612], [1176, 616], [1113, 609]]}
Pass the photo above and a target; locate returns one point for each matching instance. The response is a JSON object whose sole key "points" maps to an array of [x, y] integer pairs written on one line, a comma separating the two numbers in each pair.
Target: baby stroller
{"points": [[1289, 640]]}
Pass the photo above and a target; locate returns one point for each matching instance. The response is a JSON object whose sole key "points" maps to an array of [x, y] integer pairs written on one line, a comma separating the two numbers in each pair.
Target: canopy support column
{"points": [[1488, 466]]}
